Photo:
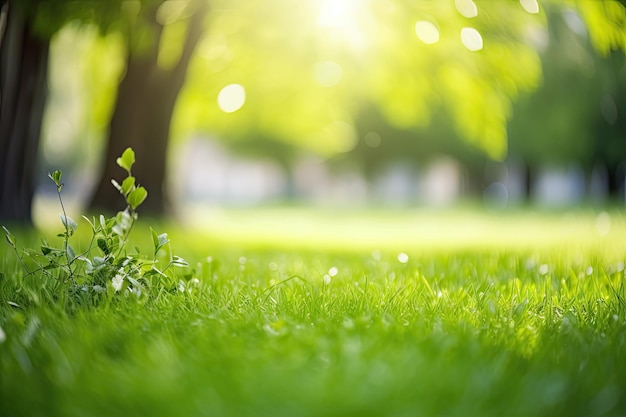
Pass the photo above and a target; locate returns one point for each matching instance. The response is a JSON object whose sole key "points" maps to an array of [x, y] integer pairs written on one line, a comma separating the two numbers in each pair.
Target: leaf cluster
{"points": [[105, 265], [49, 16]]}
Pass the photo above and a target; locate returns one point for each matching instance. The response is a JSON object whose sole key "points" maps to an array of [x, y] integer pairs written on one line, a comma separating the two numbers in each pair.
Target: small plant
{"points": [[105, 265]]}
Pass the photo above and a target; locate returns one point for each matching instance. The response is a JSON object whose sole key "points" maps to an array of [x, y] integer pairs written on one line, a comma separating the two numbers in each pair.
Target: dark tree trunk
{"points": [[615, 180], [530, 177], [23, 90], [141, 119]]}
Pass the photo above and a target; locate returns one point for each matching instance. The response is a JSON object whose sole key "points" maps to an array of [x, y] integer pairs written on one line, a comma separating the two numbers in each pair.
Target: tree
{"points": [[609, 123], [550, 125], [23, 68], [275, 44], [26, 29], [274, 47], [145, 101], [558, 125]]}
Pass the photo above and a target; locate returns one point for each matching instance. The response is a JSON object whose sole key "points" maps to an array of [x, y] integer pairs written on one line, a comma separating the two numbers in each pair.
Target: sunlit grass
{"points": [[412, 229], [320, 313]]}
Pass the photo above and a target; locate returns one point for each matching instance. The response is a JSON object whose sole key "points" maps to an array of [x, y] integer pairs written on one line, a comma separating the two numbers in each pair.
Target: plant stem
{"points": [[66, 239]]}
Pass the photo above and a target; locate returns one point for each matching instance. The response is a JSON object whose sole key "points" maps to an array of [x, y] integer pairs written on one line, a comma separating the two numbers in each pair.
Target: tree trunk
{"points": [[615, 179], [530, 177], [23, 90], [141, 119]]}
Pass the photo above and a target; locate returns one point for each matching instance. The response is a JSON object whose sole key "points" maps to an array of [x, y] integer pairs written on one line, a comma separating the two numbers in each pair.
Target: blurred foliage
{"points": [[50, 16], [606, 21], [575, 114], [313, 71], [276, 51]]}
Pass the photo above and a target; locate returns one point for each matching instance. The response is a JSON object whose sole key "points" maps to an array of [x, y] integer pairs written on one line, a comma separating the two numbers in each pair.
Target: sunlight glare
{"points": [[343, 20], [471, 39], [334, 13], [231, 98], [427, 32], [603, 223], [327, 73]]}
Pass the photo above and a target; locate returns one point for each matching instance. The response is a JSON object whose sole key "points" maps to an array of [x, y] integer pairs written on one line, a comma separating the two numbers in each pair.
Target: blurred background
{"points": [[335, 103]]}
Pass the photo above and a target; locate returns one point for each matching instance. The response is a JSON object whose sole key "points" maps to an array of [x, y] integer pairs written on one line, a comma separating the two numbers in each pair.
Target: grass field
{"points": [[324, 313]]}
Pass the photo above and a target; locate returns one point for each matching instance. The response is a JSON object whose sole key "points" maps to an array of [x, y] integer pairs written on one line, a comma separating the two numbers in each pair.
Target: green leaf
{"points": [[69, 224], [51, 265], [56, 177], [178, 261], [155, 238], [123, 221], [71, 254], [102, 244], [158, 240], [127, 159], [163, 240], [46, 250], [127, 185], [152, 272], [92, 224], [136, 197], [9, 237]]}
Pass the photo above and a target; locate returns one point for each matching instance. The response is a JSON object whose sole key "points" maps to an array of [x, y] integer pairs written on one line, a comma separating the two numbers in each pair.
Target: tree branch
{"points": [[193, 36]]}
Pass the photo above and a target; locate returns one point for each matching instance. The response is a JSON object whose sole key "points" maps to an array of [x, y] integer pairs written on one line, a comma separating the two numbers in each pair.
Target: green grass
{"points": [[490, 324]]}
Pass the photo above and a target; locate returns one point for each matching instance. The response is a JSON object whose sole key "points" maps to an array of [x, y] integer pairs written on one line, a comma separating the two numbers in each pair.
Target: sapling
{"points": [[105, 264]]}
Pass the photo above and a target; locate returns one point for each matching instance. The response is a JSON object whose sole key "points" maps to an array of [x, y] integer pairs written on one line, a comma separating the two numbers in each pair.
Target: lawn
{"points": [[308, 312]]}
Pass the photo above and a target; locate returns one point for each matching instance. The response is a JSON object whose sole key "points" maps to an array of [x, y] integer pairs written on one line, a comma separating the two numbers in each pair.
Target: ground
{"points": [[325, 313]]}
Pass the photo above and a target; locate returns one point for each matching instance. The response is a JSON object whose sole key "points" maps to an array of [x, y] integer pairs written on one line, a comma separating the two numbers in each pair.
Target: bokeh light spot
{"points": [[467, 8], [231, 98], [427, 32], [471, 39], [531, 6], [403, 258], [372, 139]]}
